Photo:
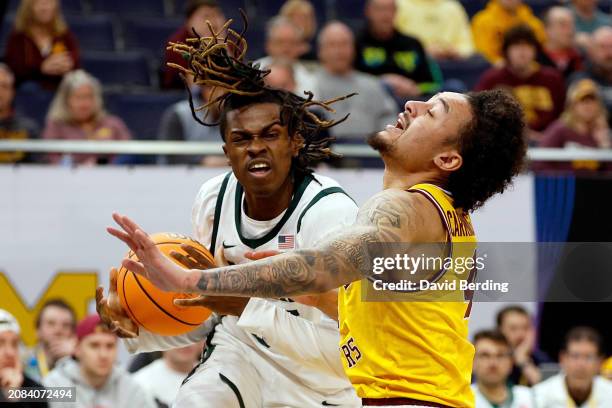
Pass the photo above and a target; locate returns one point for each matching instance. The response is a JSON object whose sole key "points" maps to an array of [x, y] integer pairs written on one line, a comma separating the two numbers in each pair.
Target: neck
{"points": [[556, 46], [339, 73], [92, 379], [179, 366], [523, 71], [404, 180], [495, 393], [382, 33], [577, 393], [263, 208]]}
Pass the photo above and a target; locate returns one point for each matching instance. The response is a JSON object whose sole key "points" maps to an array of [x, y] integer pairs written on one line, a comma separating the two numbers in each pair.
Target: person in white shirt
{"points": [[163, 377], [578, 385], [492, 368]]}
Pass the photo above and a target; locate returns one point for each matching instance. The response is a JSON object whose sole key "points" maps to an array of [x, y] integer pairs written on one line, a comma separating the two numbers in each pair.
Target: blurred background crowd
{"points": [[97, 70], [509, 370]]}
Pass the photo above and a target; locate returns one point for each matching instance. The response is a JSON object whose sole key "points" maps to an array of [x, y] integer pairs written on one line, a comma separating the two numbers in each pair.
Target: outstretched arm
{"points": [[390, 216]]}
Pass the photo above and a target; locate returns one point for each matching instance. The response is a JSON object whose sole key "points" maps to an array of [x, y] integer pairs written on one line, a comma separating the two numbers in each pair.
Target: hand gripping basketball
{"points": [[152, 264], [111, 312]]}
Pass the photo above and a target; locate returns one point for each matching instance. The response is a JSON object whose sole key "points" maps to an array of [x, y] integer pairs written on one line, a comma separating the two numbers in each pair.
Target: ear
{"points": [[450, 160], [297, 142], [224, 147]]}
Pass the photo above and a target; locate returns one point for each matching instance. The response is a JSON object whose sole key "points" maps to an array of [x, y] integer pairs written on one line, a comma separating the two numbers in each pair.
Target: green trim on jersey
{"points": [[234, 388], [319, 196], [257, 242], [217, 216]]}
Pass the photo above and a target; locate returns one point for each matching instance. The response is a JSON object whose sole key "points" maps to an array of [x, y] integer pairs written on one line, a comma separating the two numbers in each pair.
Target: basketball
{"points": [[153, 308]]}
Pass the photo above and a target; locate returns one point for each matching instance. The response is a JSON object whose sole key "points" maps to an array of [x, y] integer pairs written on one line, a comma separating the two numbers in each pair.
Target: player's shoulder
{"points": [[327, 190], [216, 185]]}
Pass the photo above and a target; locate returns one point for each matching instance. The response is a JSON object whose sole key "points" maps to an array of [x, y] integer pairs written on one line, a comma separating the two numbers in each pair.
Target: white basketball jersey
{"points": [[318, 208]]}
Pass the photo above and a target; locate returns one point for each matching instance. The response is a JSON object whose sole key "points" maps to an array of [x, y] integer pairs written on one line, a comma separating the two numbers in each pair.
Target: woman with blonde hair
{"points": [[41, 48], [77, 113], [302, 14], [582, 124]]}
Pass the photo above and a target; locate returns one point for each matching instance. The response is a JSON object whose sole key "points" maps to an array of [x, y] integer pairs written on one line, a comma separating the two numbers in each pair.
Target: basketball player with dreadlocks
{"points": [[263, 352], [443, 159]]}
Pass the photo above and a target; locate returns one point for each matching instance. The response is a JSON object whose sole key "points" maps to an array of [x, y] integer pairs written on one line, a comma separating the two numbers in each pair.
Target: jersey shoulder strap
{"points": [[217, 216]]}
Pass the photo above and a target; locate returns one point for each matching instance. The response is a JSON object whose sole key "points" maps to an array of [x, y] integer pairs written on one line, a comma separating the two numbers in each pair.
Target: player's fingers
{"points": [[99, 299], [119, 219], [123, 237], [131, 224], [120, 331], [143, 239], [254, 256], [134, 266], [198, 301], [113, 280], [195, 254], [183, 260]]}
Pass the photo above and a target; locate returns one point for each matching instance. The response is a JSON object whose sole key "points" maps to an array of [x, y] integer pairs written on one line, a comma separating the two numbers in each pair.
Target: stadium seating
{"points": [[468, 71], [127, 68], [93, 32], [149, 34], [130, 7], [142, 111], [230, 7], [33, 104]]}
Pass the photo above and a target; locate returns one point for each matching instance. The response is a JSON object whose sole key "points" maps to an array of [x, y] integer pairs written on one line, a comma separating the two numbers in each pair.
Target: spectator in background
{"points": [[582, 124], [11, 373], [492, 367], [163, 378], [588, 19], [284, 40], [372, 108], [399, 60], [540, 90], [599, 64], [579, 384], [177, 123], [41, 48], [302, 14], [55, 331], [560, 49], [77, 113], [281, 75], [442, 25], [13, 125], [517, 327], [197, 12], [491, 24], [98, 382]]}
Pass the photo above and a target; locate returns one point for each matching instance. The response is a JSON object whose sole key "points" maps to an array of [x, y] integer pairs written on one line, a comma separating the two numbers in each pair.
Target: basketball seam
{"points": [[126, 301], [158, 306]]}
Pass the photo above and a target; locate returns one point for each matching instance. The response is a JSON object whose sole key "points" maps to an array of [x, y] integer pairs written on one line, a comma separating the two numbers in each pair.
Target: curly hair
{"points": [[218, 61], [493, 147]]}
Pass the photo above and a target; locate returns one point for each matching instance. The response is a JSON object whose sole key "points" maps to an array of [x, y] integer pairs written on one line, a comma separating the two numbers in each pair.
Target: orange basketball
{"points": [[153, 308]]}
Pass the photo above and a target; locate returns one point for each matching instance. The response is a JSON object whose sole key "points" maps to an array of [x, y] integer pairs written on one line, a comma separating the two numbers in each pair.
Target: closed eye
{"points": [[430, 113]]}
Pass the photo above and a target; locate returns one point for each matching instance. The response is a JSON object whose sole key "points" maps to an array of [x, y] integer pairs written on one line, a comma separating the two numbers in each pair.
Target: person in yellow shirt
{"points": [[490, 25], [441, 25]]}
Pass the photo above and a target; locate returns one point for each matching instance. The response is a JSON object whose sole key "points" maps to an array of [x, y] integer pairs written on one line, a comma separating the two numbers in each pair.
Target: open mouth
{"points": [[259, 167]]}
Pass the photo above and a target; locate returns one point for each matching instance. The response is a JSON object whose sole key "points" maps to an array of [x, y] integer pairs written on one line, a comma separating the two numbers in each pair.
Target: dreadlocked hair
{"points": [[217, 61]]}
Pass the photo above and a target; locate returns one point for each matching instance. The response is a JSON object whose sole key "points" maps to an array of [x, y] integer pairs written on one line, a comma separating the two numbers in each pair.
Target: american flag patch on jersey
{"points": [[286, 242]]}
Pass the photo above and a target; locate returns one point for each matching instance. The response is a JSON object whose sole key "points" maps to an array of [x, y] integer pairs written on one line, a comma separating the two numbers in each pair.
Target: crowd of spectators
{"points": [[396, 50], [510, 371]]}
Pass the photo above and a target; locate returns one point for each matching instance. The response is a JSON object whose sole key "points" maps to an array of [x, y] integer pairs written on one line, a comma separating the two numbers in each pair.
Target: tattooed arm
{"points": [[389, 216]]}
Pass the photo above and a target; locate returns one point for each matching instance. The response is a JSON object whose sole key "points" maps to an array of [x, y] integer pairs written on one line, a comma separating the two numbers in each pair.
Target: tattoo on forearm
{"points": [[342, 260]]}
